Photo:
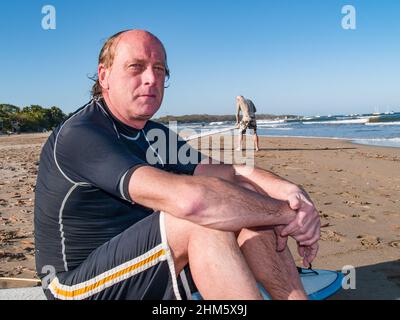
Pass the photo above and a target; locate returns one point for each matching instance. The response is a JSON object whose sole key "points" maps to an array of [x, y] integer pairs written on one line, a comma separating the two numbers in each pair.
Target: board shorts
{"points": [[134, 265], [248, 124]]}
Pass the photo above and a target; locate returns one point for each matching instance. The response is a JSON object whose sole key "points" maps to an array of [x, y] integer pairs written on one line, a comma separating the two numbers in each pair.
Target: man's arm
{"points": [[305, 229], [208, 201], [263, 181]]}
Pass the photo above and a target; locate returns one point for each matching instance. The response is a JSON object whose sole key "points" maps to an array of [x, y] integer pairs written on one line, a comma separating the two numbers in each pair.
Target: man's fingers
{"points": [[307, 253], [311, 253], [300, 250], [310, 242], [302, 228], [306, 260], [281, 243], [310, 237], [294, 226], [291, 228]]}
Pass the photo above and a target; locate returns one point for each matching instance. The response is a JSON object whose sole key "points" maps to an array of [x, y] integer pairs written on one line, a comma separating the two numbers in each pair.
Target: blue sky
{"points": [[289, 57]]}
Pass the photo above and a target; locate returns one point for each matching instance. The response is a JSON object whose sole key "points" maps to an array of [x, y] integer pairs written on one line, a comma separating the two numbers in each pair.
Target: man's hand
{"points": [[305, 228]]}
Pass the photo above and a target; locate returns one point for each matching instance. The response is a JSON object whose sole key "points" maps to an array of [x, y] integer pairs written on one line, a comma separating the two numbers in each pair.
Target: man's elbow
{"points": [[202, 194], [192, 203]]}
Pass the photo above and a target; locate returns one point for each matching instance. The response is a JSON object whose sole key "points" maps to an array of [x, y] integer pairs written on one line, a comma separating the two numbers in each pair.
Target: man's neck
{"points": [[136, 124]]}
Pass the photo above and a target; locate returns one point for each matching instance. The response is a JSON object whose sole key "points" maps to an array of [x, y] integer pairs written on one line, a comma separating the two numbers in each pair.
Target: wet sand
{"points": [[356, 189]]}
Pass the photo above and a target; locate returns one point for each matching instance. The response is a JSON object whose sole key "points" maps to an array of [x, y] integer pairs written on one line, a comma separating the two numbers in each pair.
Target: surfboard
{"points": [[318, 284]]}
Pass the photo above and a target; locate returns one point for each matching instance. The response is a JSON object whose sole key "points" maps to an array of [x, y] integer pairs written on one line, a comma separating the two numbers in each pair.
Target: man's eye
{"points": [[159, 69], [136, 66]]}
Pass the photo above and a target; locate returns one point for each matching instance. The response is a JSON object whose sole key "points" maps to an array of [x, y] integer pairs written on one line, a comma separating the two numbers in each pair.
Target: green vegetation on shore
{"points": [[32, 118]]}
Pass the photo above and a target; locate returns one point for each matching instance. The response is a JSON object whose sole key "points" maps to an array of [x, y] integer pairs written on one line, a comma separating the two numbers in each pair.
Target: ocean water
{"points": [[370, 129]]}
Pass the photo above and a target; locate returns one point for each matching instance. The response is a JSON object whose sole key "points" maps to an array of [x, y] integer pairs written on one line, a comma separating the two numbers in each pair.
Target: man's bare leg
{"points": [[276, 271], [218, 267], [255, 139], [240, 139]]}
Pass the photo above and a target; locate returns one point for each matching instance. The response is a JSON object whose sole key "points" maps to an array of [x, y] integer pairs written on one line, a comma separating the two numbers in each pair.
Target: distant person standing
{"points": [[248, 120]]}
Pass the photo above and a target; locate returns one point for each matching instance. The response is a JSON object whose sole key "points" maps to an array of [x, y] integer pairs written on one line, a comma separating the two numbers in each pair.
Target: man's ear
{"points": [[103, 73]]}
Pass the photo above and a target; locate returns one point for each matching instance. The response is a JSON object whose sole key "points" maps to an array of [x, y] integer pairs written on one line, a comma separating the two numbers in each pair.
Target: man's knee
{"points": [[246, 236], [182, 233]]}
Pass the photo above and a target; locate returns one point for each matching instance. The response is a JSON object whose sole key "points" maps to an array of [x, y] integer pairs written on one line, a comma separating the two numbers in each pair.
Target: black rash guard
{"points": [[81, 197]]}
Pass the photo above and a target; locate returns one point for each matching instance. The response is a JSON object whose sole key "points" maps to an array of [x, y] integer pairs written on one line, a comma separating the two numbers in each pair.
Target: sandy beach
{"points": [[356, 188]]}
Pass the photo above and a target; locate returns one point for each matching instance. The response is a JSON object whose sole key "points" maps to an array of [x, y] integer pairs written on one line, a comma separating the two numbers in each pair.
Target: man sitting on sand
{"points": [[247, 107], [113, 224]]}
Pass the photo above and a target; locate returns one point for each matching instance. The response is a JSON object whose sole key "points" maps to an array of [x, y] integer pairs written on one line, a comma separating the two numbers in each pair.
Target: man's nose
{"points": [[149, 77]]}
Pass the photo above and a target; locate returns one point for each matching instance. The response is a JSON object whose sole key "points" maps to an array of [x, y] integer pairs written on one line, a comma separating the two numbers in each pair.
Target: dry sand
{"points": [[355, 187]]}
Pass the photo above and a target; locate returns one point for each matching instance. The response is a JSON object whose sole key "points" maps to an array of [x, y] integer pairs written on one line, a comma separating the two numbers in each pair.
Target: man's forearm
{"points": [[260, 180], [229, 207], [305, 227], [264, 181], [208, 201]]}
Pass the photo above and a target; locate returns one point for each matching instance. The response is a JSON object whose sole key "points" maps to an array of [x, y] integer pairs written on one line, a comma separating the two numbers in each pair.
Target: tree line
{"points": [[33, 118]]}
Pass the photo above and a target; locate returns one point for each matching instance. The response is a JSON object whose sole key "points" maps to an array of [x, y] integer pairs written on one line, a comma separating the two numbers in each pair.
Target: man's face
{"points": [[136, 78]]}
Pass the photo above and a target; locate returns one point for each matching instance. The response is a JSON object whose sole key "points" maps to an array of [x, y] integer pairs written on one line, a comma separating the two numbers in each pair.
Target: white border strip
{"points": [[121, 186], [131, 138], [170, 260], [60, 222], [162, 162], [186, 285], [56, 283], [108, 116], [56, 140]]}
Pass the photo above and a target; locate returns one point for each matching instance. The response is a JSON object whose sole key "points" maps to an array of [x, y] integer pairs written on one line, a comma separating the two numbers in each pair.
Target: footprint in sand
{"points": [[392, 214], [330, 235], [28, 246], [324, 215], [395, 244], [369, 218], [349, 203], [338, 215], [6, 236], [12, 256], [370, 241]]}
